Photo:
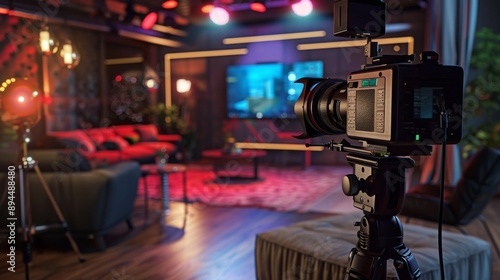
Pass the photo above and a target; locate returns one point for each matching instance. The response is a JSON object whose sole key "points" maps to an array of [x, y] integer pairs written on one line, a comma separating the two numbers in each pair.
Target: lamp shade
{"points": [[69, 55], [47, 44], [183, 85]]}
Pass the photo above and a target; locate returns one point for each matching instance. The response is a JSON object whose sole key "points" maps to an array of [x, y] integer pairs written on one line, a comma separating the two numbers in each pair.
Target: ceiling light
{"points": [[170, 4], [302, 8], [258, 6], [219, 16], [150, 20]]}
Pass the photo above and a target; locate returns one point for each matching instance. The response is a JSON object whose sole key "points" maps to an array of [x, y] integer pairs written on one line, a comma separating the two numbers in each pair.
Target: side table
{"points": [[163, 171], [219, 158]]}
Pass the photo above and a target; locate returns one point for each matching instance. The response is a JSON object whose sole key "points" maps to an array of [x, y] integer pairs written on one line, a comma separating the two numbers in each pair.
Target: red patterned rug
{"points": [[282, 189]]}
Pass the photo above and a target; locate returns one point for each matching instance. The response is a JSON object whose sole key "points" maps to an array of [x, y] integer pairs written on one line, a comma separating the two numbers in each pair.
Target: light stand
{"points": [[25, 164], [377, 187], [20, 106]]}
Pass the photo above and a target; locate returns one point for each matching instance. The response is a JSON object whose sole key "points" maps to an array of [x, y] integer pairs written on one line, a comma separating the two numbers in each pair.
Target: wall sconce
{"points": [[183, 85], [151, 79], [46, 43], [69, 55]]}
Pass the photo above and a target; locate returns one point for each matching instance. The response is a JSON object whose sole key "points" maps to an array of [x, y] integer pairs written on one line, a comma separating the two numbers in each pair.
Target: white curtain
{"points": [[452, 25]]}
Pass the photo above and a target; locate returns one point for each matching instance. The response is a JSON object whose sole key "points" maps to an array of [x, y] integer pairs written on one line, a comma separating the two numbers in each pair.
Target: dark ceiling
{"points": [[187, 13], [107, 15]]}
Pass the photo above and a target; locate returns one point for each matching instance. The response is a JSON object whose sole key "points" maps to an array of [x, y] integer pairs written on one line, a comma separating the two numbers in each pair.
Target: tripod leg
{"points": [[26, 231], [59, 213]]}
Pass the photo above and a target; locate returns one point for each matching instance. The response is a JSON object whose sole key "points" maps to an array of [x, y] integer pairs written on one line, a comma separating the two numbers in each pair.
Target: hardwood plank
{"points": [[217, 243]]}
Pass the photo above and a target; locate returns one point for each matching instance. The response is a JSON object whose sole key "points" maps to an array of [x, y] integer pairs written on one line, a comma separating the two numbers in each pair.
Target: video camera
{"points": [[396, 108], [392, 105]]}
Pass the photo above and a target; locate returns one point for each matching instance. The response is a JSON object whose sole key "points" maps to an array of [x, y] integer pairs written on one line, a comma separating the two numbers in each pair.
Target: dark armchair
{"points": [[464, 202], [92, 200]]}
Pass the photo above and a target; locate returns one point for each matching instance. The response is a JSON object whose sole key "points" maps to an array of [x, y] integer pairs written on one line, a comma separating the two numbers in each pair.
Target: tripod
{"points": [[26, 163], [377, 187]]}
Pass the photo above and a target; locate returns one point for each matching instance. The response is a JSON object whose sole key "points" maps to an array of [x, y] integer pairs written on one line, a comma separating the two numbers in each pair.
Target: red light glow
{"points": [[118, 78], [150, 20], [18, 101], [169, 4], [258, 7]]}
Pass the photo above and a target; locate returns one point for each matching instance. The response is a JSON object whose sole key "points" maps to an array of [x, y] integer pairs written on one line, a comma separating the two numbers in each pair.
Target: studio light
{"points": [[20, 102], [219, 15], [258, 6], [302, 8], [170, 4], [149, 20], [69, 55], [47, 44]]}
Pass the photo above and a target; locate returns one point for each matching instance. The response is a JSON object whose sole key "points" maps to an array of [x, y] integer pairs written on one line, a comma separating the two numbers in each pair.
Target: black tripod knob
{"points": [[350, 185]]}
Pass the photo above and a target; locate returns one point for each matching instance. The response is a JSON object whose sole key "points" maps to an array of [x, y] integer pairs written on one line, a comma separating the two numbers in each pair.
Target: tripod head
{"points": [[377, 184]]}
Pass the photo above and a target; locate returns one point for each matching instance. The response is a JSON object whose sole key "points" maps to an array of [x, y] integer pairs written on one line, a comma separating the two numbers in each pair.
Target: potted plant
{"points": [[482, 95], [170, 121]]}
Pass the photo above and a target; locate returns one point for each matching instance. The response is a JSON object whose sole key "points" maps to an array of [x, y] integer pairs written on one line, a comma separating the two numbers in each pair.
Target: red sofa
{"points": [[109, 145]]}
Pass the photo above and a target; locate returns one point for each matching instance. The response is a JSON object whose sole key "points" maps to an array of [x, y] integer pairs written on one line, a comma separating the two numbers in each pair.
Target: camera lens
{"points": [[322, 106]]}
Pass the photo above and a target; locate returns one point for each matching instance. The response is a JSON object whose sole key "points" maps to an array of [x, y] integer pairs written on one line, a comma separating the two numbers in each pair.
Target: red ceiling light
{"points": [[150, 20], [170, 4], [258, 6]]}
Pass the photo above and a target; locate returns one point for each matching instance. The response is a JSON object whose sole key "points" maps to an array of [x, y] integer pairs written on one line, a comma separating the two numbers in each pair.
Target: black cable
{"points": [[441, 205], [444, 126]]}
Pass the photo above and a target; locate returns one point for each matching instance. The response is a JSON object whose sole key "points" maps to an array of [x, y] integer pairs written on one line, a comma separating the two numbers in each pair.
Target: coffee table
{"points": [[163, 171], [231, 162]]}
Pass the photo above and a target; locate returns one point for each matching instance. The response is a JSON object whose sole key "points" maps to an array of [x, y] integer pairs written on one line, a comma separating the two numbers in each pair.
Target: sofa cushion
{"points": [[115, 143], [75, 139], [99, 135], [148, 132], [128, 133]]}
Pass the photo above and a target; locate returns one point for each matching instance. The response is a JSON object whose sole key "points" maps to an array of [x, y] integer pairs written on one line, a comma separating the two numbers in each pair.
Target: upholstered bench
{"points": [[318, 249]]}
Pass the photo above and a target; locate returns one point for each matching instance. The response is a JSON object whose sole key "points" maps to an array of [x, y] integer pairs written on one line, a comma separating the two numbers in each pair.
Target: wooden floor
{"points": [[216, 243]]}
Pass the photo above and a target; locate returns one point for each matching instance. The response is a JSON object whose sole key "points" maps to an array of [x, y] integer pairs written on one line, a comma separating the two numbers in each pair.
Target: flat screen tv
{"points": [[267, 90]]}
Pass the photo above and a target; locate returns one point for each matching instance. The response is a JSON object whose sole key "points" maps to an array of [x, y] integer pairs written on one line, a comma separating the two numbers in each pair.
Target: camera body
{"points": [[402, 104], [392, 103]]}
